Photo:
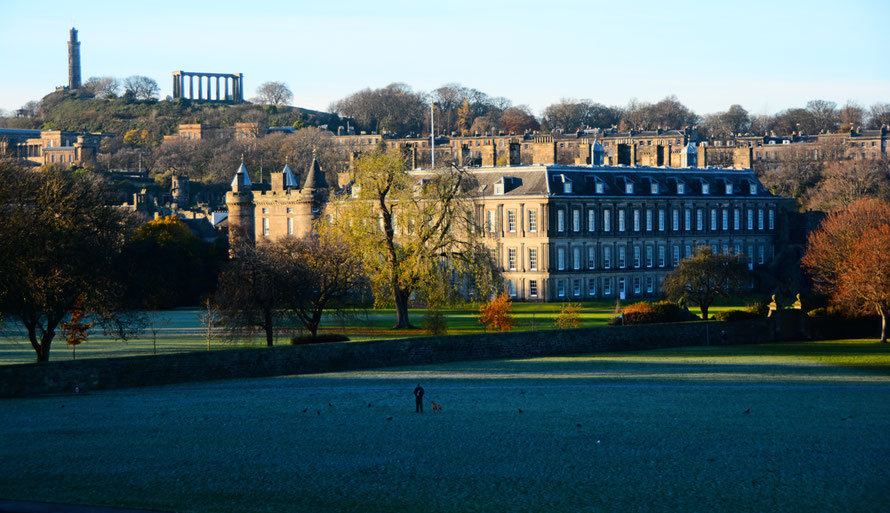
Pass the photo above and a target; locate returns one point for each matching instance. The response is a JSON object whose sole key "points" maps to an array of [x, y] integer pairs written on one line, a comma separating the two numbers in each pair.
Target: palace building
{"points": [[569, 233]]}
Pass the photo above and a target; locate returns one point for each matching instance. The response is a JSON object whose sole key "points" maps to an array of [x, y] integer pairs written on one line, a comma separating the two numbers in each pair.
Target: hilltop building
{"points": [[40, 147]]}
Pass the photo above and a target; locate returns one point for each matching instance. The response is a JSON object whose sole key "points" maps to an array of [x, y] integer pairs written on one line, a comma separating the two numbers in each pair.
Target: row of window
{"points": [[639, 285], [640, 255], [650, 218], [655, 187]]}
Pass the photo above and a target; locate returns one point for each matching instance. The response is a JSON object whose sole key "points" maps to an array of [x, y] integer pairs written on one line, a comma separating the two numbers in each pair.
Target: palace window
{"points": [[560, 258], [591, 220], [772, 219], [533, 288], [622, 256], [561, 288], [511, 259], [699, 219], [607, 220], [607, 257], [725, 219], [621, 219], [290, 226], [511, 221], [532, 220], [533, 259], [636, 219], [636, 257], [661, 219], [591, 257], [576, 258], [760, 219], [649, 256], [576, 288], [649, 220], [576, 220], [607, 286], [660, 256], [560, 220], [591, 286]]}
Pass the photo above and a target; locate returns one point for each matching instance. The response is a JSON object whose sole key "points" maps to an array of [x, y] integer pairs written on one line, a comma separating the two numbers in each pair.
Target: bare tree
{"points": [[274, 93], [102, 87], [879, 115], [141, 87]]}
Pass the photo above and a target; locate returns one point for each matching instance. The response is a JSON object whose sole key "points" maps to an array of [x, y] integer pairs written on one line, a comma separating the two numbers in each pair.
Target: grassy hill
{"points": [[76, 111]]}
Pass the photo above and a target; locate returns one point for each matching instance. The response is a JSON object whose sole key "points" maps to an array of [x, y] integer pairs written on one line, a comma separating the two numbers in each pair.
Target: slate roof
{"points": [[541, 180]]}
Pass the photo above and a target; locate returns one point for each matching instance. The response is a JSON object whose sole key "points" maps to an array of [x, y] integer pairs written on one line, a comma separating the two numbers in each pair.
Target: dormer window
{"points": [[653, 188], [499, 189], [599, 187], [567, 187], [681, 188], [628, 187], [753, 189], [705, 188], [728, 188]]}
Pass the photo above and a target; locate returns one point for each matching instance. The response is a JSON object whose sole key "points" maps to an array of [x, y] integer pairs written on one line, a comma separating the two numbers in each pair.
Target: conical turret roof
{"points": [[289, 180], [241, 180], [315, 177]]}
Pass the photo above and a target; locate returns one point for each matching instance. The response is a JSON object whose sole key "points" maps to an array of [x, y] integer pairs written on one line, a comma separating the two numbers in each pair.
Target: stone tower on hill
{"points": [[240, 203], [74, 61]]}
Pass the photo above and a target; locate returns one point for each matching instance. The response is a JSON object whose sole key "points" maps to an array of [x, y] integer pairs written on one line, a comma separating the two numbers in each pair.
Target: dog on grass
{"points": [[436, 406]]}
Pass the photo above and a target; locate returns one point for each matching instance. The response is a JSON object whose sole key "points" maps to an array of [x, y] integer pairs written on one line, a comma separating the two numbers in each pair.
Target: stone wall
{"points": [[113, 373]]}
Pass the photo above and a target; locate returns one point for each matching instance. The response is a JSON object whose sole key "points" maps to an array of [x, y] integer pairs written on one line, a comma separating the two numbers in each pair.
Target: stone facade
{"points": [[582, 232], [40, 147]]}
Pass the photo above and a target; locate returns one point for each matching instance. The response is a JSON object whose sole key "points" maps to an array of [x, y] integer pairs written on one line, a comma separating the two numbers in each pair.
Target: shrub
{"points": [[495, 314], [569, 317], [434, 322], [759, 308], [318, 339], [736, 315], [662, 311]]}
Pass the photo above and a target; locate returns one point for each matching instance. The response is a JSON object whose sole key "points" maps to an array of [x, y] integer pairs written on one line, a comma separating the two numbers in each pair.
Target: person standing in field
{"points": [[418, 399]]}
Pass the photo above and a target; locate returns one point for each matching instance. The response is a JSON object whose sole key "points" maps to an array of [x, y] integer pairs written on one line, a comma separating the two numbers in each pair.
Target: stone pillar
{"points": [[227, 87], [209, 95], [217, 87], [191, 87]]}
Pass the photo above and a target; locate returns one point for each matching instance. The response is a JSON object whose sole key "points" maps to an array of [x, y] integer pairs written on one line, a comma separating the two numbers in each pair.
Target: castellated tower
{"points": [[240, 203], [73, 61]]}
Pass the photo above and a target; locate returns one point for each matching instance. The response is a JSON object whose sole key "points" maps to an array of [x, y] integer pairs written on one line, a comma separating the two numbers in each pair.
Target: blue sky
{"points": [[764, 55]]}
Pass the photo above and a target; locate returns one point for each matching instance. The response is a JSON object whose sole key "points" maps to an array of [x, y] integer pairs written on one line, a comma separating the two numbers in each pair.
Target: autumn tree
{"points": [[413, 232], [75, 330], [274, 93], [704, 276], [60, 240], [495, 314], [849, 258], [319, 272], [518, 120], [844, 182]]}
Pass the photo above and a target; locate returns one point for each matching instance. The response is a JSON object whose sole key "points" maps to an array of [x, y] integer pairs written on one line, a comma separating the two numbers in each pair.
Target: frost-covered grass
{"points": [[779, 427]]}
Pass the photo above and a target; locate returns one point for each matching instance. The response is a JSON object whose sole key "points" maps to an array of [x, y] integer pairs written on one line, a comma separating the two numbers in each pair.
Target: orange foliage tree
{"points": [[849, 258], [76, 329], [495, 314]]}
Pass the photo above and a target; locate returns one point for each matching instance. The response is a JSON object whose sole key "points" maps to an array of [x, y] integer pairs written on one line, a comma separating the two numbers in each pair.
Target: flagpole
{"points": [[432, 135]]}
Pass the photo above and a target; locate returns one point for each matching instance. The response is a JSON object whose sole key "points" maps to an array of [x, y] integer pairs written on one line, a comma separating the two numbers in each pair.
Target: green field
{"points": [[180, 330], [796, 427]]}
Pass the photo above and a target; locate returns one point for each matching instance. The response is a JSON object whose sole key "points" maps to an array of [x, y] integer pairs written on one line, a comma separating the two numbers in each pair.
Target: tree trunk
{"points": [[401, 299], [704, 311], [883, 313], [269, 329]]}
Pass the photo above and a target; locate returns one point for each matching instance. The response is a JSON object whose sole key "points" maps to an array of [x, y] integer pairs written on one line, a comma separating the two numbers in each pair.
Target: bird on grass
{"points": [[318, 412], [388, 418], [747, 411], [330, 405], [305, 410], [369, 405], [520, 410]]}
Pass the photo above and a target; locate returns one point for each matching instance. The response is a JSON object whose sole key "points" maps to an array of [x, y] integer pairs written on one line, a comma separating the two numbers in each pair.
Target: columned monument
{"points": [[211, 87]]}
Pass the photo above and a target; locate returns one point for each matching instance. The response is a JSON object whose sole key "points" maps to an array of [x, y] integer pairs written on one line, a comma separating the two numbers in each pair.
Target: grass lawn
{"points": [[781, 427], [181, 331]]}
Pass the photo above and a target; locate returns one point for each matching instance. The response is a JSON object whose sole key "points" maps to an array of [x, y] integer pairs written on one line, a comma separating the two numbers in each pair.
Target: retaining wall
{"points": [[123, 372]]}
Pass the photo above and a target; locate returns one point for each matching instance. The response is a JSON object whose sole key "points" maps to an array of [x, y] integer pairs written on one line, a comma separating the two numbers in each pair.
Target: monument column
{"points": [[191, 87], [209, 96], [217, 87], [226, 80]]}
